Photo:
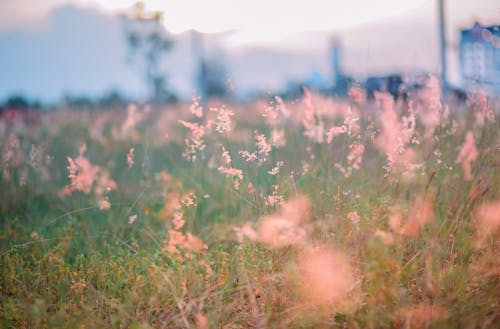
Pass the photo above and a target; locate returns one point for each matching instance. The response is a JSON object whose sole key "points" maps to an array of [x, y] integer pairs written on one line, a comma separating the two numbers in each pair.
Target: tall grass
{"points": [[307, 214]]}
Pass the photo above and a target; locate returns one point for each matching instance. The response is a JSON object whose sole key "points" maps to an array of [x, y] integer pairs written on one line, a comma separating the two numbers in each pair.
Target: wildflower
{"points": [[335, 131], [35, 158], [355, 155], [172, 204], [195, 107], [487, 217], [85, 176], [251, 188], [201, 321], [194, 142], [314, 127], [235, 174], [353, 217], [482, 108], [194, 243], [225, 156], [189, 200], [176, 238], [11, 154], [422, 214], [350, 122], [430, 105], [263, 147], [105, 204], [133, 118], [274, 199], [324, 275], [277, 231], [274, 171], [395, 220], [82, 174], [386, 237], [296, 209], [132, 219], [281, 229], [223, 120], [247, 156], [468, 154], [278, 138], [419, 316], [394, 139], [246, 231], [356, 94], [187, 241], [178, 220], [130, 157], [354, 159]]}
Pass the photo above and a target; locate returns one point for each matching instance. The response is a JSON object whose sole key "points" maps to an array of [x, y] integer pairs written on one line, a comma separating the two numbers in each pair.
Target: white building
{"points": [[480, 57]]}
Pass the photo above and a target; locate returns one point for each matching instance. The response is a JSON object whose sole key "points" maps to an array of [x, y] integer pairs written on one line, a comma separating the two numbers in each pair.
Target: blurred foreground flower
{"points": [[468, 154], [386, 237], [487, 218], [419, 316], [324, 277], [130, 157], [421, 214], [85, 176], [280, 229]]}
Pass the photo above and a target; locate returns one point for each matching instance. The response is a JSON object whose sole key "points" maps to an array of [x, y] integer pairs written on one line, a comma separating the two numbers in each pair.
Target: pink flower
{"points": [[201, 321], [275, 171], [246, 231], [178, 220], [105, 204], [386, 237], [132, 219], [194, 143], [195, 108], [278, 138], [421, 215], [235, 174], [130, 157], [468, 154], [487, 217], [247, 156], [85, 176], [353, 217], [223, 121], [325, 276], [263, 147], [335, 131], [82, 174], [278, 231]]}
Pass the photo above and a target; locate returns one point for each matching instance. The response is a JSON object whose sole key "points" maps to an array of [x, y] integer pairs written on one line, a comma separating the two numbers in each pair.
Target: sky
{"points": [[50, 47], [255, 21]]}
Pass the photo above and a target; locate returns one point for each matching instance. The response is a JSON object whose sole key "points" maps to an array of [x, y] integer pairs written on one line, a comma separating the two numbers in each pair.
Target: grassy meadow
{"points": [[313, 213]]}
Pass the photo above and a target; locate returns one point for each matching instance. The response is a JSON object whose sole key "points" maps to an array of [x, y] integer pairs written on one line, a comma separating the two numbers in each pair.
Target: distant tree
{"points": [[112, 99], [148, 40], [212, 78], [18, 101], [80, 101]]}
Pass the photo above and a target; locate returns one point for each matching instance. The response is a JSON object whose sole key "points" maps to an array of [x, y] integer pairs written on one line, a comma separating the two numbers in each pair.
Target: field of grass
{"points": [[317, 213]]}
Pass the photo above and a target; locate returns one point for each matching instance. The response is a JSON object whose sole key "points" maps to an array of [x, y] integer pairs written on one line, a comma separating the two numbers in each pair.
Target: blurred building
{"points": [[480, 57]]}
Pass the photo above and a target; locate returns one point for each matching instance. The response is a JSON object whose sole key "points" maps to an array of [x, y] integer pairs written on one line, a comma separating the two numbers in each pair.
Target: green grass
{"points": [[67, 264]]}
